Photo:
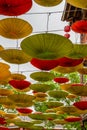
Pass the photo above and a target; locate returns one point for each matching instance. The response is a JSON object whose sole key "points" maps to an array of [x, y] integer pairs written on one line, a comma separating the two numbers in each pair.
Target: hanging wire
{"points": [[50, 12], [47, 26], [76, 38], [17, 44]]}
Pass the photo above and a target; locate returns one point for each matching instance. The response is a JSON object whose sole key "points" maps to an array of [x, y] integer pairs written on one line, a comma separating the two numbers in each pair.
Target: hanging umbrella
{"points": [[24, 111], [68, 62], [2, 121], [4, 128], [79, 4], [21, 98], [44, 64], [14, 28], [50, 111], [14, 8], [4, 65], [68, 109], [82, 71], [43, 116], [76, 88], [73, 118], [79, 26], [17, 76], [23, 124], [5, 92], [72, 96], [48, 3], [5, 74], [14, 56], [82, 105], [1, 48], [53, 104], [57, 93], [61, 121], [40, 87], [46, 46], [40, 94], [26, 104], [42, 76], [2, 113], [78, 51], [20, 85], [7, 103], [40, 97], [67, 69], [61, 80], [37, 116], [10, 115]]}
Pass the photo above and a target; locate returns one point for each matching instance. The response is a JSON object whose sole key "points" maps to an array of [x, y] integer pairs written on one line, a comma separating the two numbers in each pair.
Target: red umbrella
{"points": [[73, 119], [2, 121], [19, 84], [44, 64], [80, 26], [68, 62], [4, 128], [24, 110], [14, 7], [82, 105], [61, 80]]}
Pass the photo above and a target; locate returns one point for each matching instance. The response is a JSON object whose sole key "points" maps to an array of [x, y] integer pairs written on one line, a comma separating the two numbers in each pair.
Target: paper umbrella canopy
{"points": [[48, 3], [14, 8], [46, 46], [14, 28], [79, 4]]}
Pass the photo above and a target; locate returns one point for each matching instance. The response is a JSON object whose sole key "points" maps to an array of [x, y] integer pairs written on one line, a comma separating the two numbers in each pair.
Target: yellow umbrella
{"points": [[80, 4], [1, 48], [50, 111], [17, 76], [21, 98], [61, 121], [10, 115], [40, 99], [6, 102], [76, 88], [40, 94], [68, 109], [4, 65], [67, 69], [72, 96], [4, 71], [82, 70], [2, 113], [26, 104], [4, 74], [4, 81], [14, 28], [48, 3], [14, 56], [5, 92]]}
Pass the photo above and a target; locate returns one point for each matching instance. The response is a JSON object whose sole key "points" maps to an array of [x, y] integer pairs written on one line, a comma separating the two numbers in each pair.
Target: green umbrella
{"points": [[46, 46]]}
